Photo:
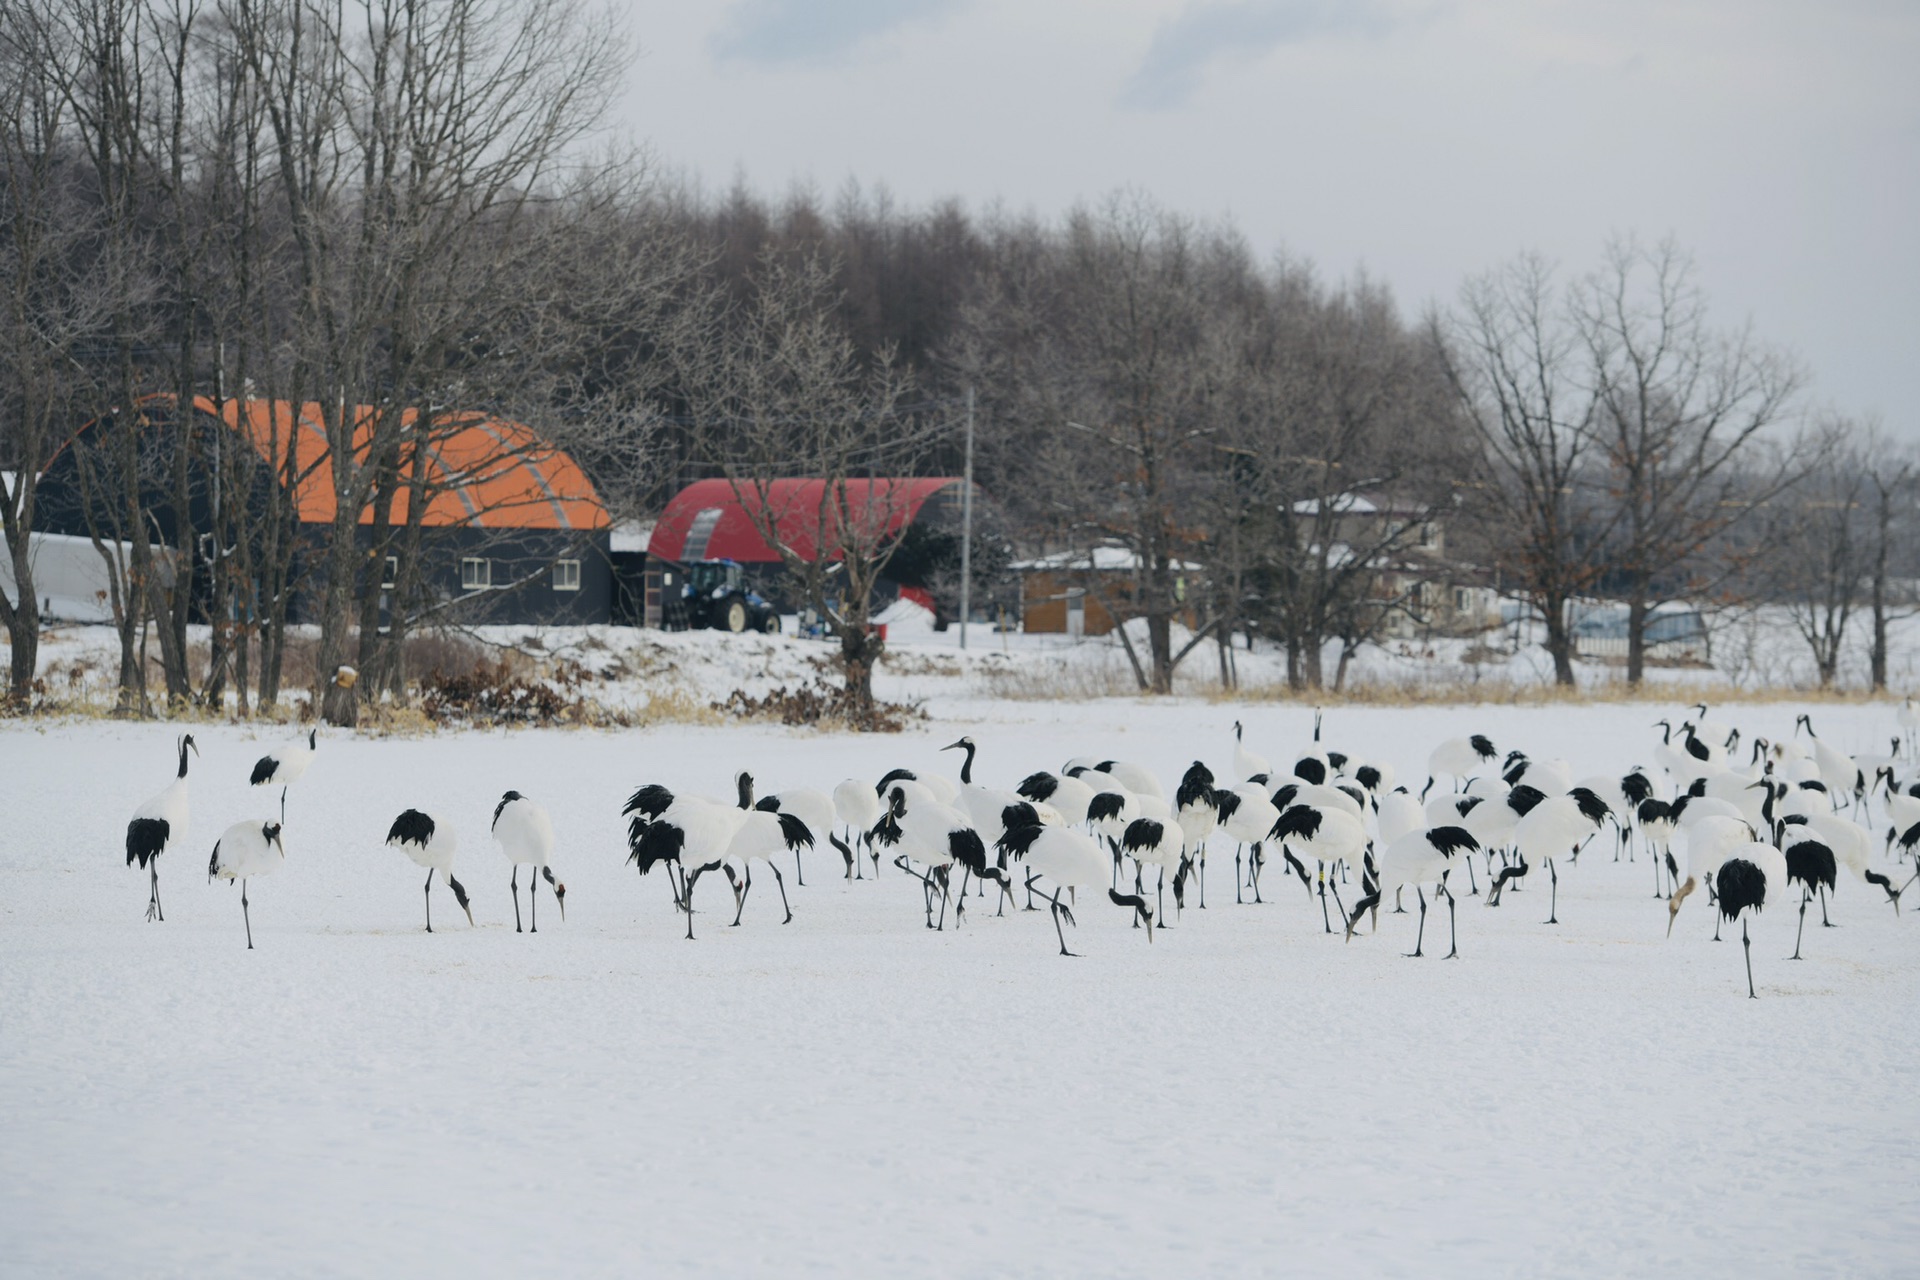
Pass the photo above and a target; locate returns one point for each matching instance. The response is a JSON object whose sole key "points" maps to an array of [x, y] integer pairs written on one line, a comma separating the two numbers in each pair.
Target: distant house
{"points": [[1425, 592], [1076, 592], [513, 530]]}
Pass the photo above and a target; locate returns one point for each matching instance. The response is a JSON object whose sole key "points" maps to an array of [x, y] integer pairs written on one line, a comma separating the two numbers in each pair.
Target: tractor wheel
{"points": [[734, 618], [772, 626]]}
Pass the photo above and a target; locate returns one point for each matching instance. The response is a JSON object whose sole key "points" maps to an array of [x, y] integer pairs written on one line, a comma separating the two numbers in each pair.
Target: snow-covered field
{"points": [[853, 1094]]}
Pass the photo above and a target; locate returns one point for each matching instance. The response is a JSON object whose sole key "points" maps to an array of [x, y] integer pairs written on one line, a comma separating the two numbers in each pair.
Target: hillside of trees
{"points": [[393, 211]]}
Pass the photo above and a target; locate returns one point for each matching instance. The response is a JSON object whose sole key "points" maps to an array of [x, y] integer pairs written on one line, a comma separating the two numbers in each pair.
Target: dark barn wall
{"points": [[522, 570], [522, 559]]}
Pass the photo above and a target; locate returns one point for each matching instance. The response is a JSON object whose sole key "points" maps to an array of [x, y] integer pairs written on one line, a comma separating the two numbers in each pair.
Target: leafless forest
{"points": [[399, 210]]}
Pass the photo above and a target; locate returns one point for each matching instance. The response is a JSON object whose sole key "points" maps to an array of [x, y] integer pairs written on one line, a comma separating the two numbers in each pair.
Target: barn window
{"points": [[476, 573], [390, 573], [566, 575]]}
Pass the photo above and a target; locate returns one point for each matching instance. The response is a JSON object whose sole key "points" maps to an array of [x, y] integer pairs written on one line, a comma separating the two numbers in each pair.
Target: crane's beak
{"points": [[955, 746]]}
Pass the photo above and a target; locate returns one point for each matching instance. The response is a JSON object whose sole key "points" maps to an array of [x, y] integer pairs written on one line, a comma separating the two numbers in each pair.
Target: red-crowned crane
{"points": [[1198, 817], [1161, 844], [1327, 834], [431, 842], [692, 833], [1069, 796], [938, 835], [1418, 858], [159, 825], [857, 808], [1136, 778], [1745, 879], [1550, 829], [286, 766], [814, 808], [246, 850], [761, 835], [1460, 759], [1246, 815], [1245, 762], [1069, 860], [524, 833]]}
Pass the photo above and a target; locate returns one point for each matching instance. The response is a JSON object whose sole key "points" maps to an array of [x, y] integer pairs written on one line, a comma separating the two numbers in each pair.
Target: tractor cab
{"points": [[716, 595]]}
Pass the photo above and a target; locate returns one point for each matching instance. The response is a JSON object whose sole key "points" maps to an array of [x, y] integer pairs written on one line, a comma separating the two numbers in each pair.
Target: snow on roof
{"points": [[1104, 559], [1357, 503], [630, 535]]}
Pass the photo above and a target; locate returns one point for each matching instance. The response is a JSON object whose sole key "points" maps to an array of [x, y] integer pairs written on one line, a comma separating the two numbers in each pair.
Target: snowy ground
{"points": [[850, 1093]]}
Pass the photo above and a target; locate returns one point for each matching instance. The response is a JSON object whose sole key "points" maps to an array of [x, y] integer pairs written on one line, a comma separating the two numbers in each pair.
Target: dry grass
{"points": [[1416, 691]]}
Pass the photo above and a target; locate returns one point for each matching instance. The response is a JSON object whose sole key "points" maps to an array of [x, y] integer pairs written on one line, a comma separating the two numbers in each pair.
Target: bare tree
{"points": [[50, 313], [780, 394], [1682, 418], [1818, 555], [1516, 368], [1893, 544]]}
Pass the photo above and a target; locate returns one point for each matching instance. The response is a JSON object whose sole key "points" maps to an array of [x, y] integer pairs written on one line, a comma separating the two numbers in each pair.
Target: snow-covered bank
{"points": [[851, 1093]]}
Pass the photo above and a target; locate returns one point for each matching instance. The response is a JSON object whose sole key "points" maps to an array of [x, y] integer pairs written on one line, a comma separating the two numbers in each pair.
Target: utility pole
{"points": [[966, 529]]}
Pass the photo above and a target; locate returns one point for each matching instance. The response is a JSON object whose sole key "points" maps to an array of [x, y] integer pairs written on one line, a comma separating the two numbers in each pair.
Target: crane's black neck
{"points": [[183, 758], [746, 790], [966, 768]]}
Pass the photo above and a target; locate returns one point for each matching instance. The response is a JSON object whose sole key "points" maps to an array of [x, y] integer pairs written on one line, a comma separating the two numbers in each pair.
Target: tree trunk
{"points": [[1160, 651], [1559, 640], [23, 629], [1636, 631], [859, 652], [338, 704]]}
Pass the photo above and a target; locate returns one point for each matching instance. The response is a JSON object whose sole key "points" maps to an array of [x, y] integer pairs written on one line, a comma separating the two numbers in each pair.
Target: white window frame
{"points": [[563, 570], [390, 573], [482, 580]]}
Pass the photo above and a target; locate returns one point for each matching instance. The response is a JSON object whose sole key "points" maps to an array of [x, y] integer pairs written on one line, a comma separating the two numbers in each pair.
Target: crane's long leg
{"points": [[428, 890], [1804, 895], [1299, 869], [1748, 948], [1058, 931], [1397, 908], [533, 901], [1553, 901], [687, 881], [799, 877], [283, 806], [783, 889], [153, 900], [1339, 906], [1203, 877], [1453, 934], [1420, 938], [246, 915], [513, 883], [1322, 878], [1825, 923], [1236, 873], [1473, 887]]}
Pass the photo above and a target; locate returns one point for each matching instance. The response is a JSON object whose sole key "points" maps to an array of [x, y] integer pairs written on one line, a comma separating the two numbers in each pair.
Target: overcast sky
{"points": [[1420, 141]]}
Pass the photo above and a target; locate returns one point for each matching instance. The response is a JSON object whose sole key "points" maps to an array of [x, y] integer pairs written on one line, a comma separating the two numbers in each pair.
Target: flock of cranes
{"points": [[1752, 825]]}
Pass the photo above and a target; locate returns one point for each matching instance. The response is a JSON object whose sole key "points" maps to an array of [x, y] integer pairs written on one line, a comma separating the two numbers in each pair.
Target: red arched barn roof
{"points": [[707, 520]]}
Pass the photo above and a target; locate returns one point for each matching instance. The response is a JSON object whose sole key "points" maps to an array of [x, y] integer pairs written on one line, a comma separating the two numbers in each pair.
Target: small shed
{"points": [[1069, 592]]}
